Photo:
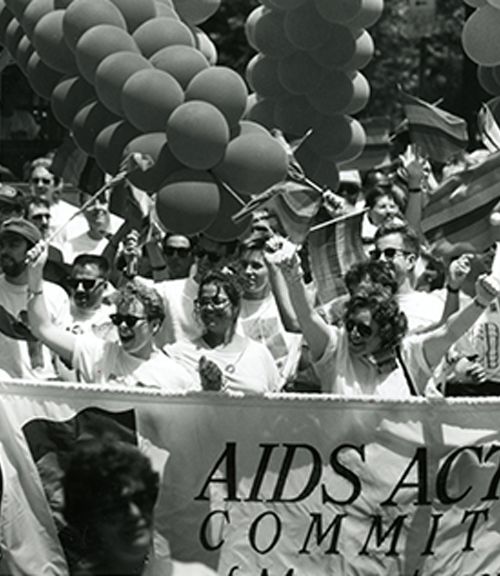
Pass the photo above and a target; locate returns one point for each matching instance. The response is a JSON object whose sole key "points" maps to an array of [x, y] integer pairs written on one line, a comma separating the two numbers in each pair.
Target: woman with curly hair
{"points": [[222, 359], [133, 360], [370, 353]]}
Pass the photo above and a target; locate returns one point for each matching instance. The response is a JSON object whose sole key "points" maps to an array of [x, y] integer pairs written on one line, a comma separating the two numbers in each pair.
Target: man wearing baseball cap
{"points": [[21, 355]]}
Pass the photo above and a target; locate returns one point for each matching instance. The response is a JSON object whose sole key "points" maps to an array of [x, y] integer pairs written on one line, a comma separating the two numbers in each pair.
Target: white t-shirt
{"points": [[84, 244], [261, 321], [103, 362], [30, 360], [349, 375], [60, 212], [247, 365], [422, 309]]}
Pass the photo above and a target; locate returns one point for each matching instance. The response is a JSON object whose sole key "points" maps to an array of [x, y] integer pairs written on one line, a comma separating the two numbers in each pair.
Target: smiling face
{"points": [[384, 208], [87, 286], [391, 248], [97, 216], [43, 184], [362, 332], [255, 275], [215, 310], [135, 332]]}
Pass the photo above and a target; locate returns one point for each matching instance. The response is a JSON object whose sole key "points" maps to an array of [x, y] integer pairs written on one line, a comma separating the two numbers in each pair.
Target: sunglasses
{"points": [[363, 330], [181, 252], [215, 304], [387, 253], [42, 181], [212, 256], [129, 319], [87, 283], [41, 216]]}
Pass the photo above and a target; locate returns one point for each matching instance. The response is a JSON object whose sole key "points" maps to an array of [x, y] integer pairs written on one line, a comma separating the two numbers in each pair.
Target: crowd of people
{"points": [[238, 317]]}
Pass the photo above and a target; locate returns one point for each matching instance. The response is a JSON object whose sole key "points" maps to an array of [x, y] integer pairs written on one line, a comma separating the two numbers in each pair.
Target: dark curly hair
{"points": [[96, 472], [378, 271], [148, 297], [385, 312]]}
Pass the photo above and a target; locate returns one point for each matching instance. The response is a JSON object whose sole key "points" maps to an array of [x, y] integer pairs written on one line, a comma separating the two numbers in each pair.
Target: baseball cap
{"points": [[21, 227], [9, 195]]}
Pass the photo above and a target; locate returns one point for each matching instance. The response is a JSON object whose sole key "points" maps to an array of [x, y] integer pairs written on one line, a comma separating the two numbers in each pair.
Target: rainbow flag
{"points": [[438, 133], [459, 209], [333, 248]]}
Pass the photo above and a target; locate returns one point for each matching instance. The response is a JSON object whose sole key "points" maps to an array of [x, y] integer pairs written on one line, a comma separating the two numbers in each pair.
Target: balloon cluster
{"points": [[129, 76], [481, 43], [306, 76]]}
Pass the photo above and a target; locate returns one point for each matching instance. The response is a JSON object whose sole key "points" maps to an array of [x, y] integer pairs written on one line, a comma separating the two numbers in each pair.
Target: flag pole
{"points": [[337, 219]]}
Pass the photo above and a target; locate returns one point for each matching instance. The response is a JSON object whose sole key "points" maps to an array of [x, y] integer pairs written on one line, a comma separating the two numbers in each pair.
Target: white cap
{"points": [[350, 176]]}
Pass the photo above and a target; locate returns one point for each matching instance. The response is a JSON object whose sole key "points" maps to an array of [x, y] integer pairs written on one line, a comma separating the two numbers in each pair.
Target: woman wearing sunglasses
{"points": [[221, 359], [132, 360], [370, 354]]}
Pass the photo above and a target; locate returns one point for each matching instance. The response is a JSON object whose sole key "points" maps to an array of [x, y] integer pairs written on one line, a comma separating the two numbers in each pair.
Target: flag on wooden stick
{"points": [[333, 248], [438, 133]]}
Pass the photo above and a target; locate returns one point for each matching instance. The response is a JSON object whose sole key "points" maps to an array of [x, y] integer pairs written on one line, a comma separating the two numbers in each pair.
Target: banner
{"points": [[283, 485]]}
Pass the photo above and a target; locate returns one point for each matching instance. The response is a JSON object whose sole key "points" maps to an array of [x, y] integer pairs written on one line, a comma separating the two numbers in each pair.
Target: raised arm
{"points": [[61, 341], [314, 329], [437, 342]]}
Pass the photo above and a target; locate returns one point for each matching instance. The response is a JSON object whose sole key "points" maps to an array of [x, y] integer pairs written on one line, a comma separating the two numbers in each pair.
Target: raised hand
{"points": [[458, 271]]}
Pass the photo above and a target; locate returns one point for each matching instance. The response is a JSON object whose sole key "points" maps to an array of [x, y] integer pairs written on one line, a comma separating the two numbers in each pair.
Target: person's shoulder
{"points": [[54, 290]]}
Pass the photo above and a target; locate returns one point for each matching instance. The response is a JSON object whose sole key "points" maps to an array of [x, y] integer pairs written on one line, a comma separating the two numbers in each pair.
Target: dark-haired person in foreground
{"points": [[110, 490], [370, 354], [132, 360]]}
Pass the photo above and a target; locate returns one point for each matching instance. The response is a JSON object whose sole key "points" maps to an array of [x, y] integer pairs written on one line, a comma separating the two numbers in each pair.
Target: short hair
{"points": [[411, 241], [95, 471], [44, 162], [148, 297], [190, 239], [100, 262], [255, 241], [385, 312], [379, 271], [34, 200], [373, 194], [226, 279]]}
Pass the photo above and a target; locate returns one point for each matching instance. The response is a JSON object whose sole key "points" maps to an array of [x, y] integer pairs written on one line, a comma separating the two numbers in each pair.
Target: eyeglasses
{"points": [[87, 283], [215, 304], [36, 180], [362, 329], [212, 256], [129, 319], [181, 252], [387, 253]]}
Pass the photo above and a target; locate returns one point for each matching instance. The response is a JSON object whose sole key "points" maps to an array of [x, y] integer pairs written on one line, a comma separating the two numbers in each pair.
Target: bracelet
{"points": [[414, 190], [452, 290], [480, 304]]}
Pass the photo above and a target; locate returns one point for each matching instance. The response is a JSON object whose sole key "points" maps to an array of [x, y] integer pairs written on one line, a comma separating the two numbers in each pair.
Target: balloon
{"points": [[252, 163], [361, 94], [48, 40], [159, 33], [197, 134], [13, 35], [205, 46], [154, 145], [261, 111], [81, 15], [262, 76], [136, 12], [307, 158], [110, 143], [111, 75], [247, 127], [17, 7], [299, 73], [339, 92], [295, 115], [223, 228], [363, 53], [88, 122], [371, 11], [24, 51], [68, 97], [62, 4], [305, 28], [480, 38], [6, 17], [332, 135], [99, 42], [196, 11], [33, 13], [222, 87], [149, 110], [338, 11], [337, 49], [496, 74], [476, 3], [486, 78], [182, 62], [326, 174], [42, 79], [250, 24], [268, 34], [354, 146], [165, 11], [188, 202], [287, 4]]}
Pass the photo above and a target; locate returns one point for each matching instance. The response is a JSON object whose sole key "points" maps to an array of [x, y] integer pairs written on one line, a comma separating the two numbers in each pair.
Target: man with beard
{"points": [[21, 354], [101, 226]]}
